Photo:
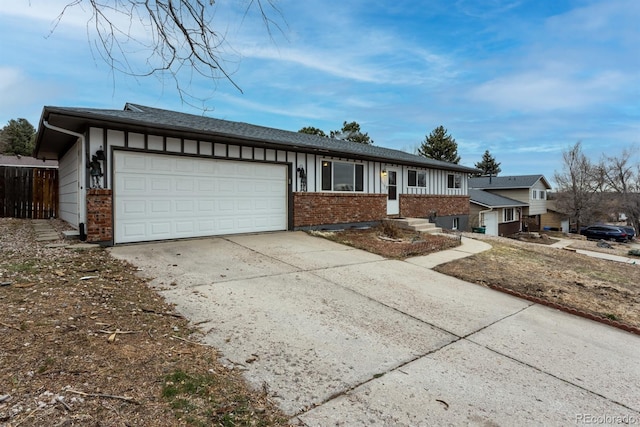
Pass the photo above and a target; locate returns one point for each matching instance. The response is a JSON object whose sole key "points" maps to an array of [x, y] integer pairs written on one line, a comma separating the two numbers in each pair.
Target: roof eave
{"points": [[94, 118]]}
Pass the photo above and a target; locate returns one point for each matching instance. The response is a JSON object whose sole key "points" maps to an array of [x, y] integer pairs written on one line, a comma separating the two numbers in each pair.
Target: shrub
{"points": [[634, 252], [389, 229]]}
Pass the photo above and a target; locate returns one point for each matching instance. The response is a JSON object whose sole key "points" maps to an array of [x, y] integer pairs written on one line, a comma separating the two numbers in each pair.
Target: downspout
{"points": [[81, 195]]}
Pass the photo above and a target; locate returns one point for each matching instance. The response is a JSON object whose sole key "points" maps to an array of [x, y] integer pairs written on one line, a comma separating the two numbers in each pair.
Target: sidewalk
{"points": [[565, 243], [471, 246], [467, 248]]}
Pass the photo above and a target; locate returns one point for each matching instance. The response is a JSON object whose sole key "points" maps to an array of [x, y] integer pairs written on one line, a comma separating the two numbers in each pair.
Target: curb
{"points": [[614, 323]]}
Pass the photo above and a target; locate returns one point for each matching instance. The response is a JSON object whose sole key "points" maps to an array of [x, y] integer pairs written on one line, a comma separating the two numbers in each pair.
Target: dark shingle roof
{"points": [[503, 182], [135, 115], [492, 200]]}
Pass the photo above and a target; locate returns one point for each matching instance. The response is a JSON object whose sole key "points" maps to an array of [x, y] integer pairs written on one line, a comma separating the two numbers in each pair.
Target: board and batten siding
{"points": [[311, 163], [69, 186]]}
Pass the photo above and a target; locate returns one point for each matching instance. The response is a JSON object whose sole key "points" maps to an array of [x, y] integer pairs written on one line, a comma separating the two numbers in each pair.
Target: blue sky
{"points": [[524, 79]]}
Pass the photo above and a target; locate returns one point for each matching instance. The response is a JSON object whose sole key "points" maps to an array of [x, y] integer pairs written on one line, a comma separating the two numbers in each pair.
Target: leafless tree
{"points": [[180, 38], [622, 177], [578, 185]]}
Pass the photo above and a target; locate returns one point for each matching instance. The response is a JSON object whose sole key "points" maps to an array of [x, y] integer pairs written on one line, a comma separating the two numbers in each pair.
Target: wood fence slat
{"points": [[28, 192], [3, 205]]}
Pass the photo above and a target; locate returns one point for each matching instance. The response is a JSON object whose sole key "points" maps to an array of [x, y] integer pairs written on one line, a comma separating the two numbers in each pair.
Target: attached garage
{"points": [[161, 196]]}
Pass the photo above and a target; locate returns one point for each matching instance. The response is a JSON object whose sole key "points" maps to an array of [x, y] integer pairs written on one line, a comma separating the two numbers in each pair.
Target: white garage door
{"points": [[160, 197]]}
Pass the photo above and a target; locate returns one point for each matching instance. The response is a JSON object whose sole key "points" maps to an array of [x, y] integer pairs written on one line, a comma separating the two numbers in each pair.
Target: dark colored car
{"points": [[631, 232], [605, 232]]}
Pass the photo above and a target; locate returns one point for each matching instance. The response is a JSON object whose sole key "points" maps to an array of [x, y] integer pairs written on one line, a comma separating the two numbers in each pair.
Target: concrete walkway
{"points": [[49, 236], [339, 336], [565, 243], [468, 247]]}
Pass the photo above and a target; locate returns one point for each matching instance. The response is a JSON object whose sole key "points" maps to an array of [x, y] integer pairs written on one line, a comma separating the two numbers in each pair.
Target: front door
{"points": [[491, 223], [393, 203]]}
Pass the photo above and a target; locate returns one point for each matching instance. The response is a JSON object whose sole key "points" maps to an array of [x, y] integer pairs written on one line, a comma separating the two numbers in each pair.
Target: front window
{"points": [[453, 181], [456, 223], [417, 178], [338, 176], [509, 214]]}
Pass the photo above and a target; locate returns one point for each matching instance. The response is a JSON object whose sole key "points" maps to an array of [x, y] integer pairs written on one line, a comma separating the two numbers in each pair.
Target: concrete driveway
{"points": [[343, 337]]}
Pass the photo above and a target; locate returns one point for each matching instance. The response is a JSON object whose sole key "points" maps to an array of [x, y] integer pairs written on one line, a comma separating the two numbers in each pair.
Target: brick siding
{"points": [[99, 215], [311, 209], [423, 206]]}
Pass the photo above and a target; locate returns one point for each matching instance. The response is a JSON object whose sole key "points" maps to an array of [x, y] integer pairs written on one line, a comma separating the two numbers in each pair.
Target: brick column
{"points": [[99, 215]]}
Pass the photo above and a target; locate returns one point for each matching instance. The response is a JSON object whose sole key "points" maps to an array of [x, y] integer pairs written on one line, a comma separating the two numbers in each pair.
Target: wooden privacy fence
{"points": [[28, 192]]}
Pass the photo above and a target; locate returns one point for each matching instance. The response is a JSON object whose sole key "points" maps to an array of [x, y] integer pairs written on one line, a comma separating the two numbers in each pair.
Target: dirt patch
{"points": [[391, 241], [605, 289], [86, 342]]}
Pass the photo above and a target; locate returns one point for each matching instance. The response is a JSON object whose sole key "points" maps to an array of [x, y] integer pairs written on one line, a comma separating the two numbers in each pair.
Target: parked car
{"points": [[605, 232], [631, 232]]}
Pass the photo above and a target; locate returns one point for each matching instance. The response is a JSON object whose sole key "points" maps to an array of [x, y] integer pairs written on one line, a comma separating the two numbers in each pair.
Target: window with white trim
{"points": [[454, 180], [456, 223], [509, 214], [340, 176], [543, 195], [534, 194], [417, 178]]}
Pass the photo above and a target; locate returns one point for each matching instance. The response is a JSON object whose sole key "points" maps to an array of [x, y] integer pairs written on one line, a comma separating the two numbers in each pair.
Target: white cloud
{"points": [[21, 96], [348, 68], [304, 110], [543, 91]]}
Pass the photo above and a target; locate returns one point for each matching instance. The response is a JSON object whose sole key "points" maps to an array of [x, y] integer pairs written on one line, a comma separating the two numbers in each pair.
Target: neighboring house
{"points": [[529, 191], [143, 174], [554, 219], [500, 216]]}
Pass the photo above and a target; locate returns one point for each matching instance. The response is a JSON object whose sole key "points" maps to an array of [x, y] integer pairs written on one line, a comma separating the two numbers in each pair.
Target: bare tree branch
{"points": [[178, 37], [577, 185]]}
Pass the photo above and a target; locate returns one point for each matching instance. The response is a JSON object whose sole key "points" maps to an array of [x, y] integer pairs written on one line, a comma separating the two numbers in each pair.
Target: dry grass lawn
{"points": [[85, 342]]}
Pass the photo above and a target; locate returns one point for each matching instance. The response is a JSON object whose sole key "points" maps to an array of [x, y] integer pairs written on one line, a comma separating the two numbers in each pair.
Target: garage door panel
{"points": [[160, 229], [134, 184], [159, 184], [206, 227], [160, 197], [134, 230], [184, 227], [185, 207], [206, 185], [184, 185], [132, 163], [206, 206], [157, 164]]}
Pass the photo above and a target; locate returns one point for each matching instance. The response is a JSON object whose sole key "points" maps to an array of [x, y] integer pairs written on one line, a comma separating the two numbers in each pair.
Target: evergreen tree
{"points": [[488, 165], [312, 131], [351, 132], [17, 138], [439, 145]]}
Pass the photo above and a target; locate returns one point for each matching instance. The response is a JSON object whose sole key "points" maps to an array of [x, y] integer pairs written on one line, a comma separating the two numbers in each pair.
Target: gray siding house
{"points": [[509, 204]]}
